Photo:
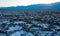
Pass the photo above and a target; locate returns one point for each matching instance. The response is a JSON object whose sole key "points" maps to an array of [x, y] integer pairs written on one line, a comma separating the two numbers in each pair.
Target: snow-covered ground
{"points": [[30, 25], [27, 29]]}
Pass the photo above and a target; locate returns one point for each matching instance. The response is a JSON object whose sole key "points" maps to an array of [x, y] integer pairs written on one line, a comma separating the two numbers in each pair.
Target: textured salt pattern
{"points": [[43, 25]]}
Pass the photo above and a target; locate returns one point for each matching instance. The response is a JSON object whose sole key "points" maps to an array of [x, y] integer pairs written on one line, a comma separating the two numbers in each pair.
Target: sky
{"points": [[7, 3]]}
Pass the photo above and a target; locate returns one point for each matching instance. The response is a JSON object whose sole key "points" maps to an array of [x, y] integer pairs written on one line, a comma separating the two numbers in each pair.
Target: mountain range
{"points": [[53, 6]]}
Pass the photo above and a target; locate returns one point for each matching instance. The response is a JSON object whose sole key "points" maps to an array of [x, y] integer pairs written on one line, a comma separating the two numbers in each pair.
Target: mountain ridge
{"points": [[54, 6]]}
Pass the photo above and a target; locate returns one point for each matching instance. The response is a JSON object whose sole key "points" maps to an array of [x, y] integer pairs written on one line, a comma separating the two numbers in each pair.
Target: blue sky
{"points": [[7, 3]]}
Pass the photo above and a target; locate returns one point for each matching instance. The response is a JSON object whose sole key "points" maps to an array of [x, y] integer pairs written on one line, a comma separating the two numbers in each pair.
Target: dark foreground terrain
{"points": [[29, 23]]}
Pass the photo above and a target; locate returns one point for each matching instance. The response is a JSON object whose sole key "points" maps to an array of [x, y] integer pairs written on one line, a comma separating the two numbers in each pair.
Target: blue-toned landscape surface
{"points": [[32, 20]]}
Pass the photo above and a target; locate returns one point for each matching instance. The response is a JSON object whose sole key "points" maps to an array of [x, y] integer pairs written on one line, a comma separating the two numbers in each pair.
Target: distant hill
{"points": [[54, 6]]}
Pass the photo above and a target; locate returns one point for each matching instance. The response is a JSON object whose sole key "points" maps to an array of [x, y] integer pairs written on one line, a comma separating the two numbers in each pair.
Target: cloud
{"points": [[6, 3]]}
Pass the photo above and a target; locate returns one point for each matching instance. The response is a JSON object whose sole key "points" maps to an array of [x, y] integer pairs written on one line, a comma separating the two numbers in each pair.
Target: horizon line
{"points": [[31, 5]]}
